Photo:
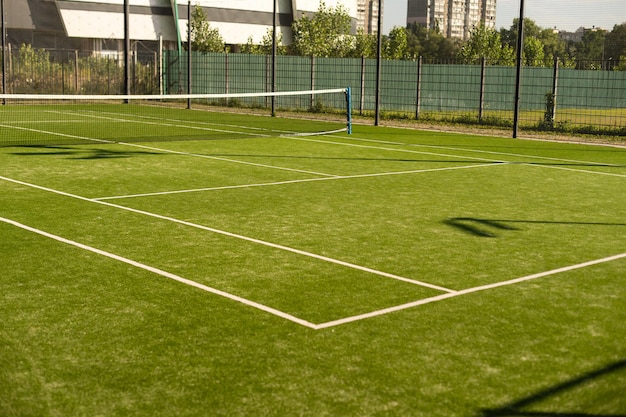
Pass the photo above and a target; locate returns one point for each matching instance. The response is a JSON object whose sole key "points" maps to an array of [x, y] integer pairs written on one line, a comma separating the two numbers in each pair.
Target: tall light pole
{"points": [[379, 61], [274, 58], [4, 51], [126, 49], [518, 76]]}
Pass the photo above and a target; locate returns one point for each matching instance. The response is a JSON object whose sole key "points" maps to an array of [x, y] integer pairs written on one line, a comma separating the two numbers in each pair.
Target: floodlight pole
{"points": [[189, 63], [4, 51], [274, 58], [518, 76], [379, 61], [126, 48]]}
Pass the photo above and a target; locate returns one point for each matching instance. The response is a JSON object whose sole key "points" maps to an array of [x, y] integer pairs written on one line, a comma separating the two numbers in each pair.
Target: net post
{"points": [[349, 110]]}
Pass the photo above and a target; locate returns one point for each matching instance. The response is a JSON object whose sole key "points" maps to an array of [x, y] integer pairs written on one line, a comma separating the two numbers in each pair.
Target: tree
{"points": [[534, 37], [533, 52], [590, 52], [265, 47], [428, 43], [364, 45], [615, 43], [203, 37], [326, 34], [395, 45], [487, 43], [509, 36]]}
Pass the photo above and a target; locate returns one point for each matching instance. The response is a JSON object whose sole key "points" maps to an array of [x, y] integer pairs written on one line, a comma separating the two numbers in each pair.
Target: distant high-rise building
{"points": [[367, 15], [452, 18]]}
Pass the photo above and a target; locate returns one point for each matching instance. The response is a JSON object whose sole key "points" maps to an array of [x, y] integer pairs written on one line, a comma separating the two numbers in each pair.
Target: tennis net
{"points": [[37, 119]]}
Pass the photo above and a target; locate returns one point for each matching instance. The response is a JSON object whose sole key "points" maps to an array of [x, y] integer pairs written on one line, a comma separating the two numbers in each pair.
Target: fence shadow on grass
{"points": [[79, 152], [517, 408], [489, 227]]}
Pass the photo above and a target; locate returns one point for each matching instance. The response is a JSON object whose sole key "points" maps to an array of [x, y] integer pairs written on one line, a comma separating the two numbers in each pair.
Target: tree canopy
{"points": [[486, 43], [204, 38], [327, 33]]}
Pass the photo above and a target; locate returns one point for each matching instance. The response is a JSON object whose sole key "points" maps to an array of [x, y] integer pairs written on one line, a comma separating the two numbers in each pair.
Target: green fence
{"points": [[551, 98]]}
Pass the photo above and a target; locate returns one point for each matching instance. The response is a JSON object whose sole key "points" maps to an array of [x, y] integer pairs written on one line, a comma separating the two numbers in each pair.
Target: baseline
{"points": [[162, 273], [584, 171], [295, 319], [486, 152], [468, 291]]}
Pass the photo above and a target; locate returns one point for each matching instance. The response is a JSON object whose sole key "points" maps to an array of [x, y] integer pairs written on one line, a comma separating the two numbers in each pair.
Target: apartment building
{"points": [[367, 15], [452, 18]]}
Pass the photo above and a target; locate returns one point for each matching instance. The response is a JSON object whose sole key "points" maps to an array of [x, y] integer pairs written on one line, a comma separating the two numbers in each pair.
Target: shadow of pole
{"points": [[516, 409]]}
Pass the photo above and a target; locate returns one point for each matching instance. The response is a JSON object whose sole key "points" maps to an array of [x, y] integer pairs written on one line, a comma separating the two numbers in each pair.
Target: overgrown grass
{"points": [[85, 334]]}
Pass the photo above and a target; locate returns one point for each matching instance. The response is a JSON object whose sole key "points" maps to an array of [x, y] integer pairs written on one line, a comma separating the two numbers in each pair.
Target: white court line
{"points": [[487, 152], [238, 236], [58, 134], [466, 291], [586, 171], [295, 319], [236, 161], [182, 126], [168, 151], [268, 184], [22, 122], [163, 273], [397, 149], [197, 122]]}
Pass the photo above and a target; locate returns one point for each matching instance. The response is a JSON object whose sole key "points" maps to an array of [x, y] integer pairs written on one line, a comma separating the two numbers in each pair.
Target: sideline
{"points": [[237, 236], [295, 319], [467, 291], [162, 273]]}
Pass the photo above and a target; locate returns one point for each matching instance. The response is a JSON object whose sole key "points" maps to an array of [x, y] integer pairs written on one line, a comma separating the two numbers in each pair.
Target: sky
{"points": [[566, 15]]}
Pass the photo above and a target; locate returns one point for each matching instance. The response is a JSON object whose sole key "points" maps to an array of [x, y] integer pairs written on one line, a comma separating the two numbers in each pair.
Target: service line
{"points": [[236, 236], [267, 184]]}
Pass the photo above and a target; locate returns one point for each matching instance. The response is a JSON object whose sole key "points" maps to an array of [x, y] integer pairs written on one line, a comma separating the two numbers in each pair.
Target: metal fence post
{"points": [[76, 71], [362, 89], [126, 48], [555, 83], [226, 76], [312, 67], [481, 106], [418, 88], [4, 51], [189, 73]]}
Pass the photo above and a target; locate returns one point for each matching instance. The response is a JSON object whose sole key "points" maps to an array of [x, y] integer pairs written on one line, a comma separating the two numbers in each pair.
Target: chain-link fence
{"points": [[54, 71], [552, 99]]}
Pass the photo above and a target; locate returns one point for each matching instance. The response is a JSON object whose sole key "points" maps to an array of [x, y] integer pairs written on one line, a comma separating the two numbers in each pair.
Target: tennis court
{"points": [[188, 262]]}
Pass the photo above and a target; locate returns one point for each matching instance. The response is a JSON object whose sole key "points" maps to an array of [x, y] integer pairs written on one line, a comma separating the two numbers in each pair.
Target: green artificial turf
{"points": [[326, 230]]}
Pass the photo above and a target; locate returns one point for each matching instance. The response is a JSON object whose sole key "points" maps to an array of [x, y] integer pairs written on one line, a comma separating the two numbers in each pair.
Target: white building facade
{"points": [[101, 22], [452, 18]]}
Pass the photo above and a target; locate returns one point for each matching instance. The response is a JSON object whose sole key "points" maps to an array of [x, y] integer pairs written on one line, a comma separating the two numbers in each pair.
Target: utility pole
{"points": [[4, 51], [379, 54], [274, 58], [518, 76], [126, 48]]}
